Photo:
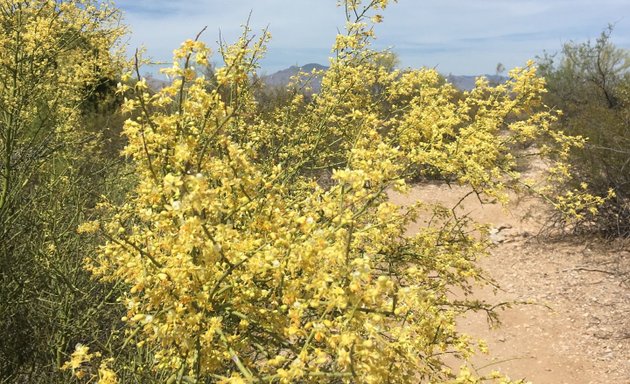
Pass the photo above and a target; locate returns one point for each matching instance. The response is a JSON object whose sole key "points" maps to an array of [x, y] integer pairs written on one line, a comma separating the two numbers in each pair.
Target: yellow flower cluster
{"points": [[52, 53], [79, 358], [79, 363], [246, 265]]}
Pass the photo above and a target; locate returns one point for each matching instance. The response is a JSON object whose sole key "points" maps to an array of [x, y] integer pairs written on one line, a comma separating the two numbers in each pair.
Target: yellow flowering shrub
{"points": [[53, 54], [243, 268]]}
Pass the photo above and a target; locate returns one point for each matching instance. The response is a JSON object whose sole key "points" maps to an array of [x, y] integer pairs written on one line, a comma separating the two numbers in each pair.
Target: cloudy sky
{"points": [[455, 36]]}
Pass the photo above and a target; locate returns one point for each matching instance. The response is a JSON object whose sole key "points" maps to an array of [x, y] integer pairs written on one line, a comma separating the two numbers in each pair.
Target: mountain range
{"points": [[282, 77], [467, 82]]}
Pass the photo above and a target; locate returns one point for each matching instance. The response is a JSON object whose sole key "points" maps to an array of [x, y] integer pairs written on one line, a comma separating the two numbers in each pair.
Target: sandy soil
{"points": [[577, 329]]}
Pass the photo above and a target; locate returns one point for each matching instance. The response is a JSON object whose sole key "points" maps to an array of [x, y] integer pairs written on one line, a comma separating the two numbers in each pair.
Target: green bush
{"points": [[56, 61], [590, 83]]}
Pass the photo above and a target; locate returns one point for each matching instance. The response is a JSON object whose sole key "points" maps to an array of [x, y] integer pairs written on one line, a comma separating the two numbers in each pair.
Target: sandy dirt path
{"points": [[577, 331]]}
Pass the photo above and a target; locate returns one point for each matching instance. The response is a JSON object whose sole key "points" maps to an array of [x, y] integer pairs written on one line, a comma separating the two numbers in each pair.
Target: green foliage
{"points": [[590, 83], [56, 58]]}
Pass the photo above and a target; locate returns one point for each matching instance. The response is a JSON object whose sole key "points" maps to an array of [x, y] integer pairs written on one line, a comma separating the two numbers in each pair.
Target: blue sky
{"points": [[455, 36]]}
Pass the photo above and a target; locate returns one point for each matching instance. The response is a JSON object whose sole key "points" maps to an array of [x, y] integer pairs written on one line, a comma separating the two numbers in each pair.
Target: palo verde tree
{"points": [[53, 56], [241, 267]]}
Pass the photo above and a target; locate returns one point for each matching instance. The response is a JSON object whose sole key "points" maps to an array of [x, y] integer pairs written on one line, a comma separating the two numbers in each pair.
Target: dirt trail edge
{"points": [[577, 331]]}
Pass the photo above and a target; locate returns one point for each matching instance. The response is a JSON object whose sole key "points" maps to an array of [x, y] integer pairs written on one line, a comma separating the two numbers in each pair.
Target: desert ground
{"points": [[573, 325]]}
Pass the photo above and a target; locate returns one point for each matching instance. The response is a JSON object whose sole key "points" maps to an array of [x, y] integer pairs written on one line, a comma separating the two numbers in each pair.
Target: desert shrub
{"points": [[590, 83], [240, 267], [54, 167]]}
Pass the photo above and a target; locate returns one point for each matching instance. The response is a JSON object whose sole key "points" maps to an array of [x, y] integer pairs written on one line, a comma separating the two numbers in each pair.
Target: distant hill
{"points": [[282, 77], [155, 83], [467, 83]]}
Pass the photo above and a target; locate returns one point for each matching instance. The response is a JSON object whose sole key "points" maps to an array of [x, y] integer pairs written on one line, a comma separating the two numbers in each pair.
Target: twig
{"points": [[589, 270]]}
